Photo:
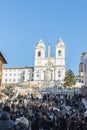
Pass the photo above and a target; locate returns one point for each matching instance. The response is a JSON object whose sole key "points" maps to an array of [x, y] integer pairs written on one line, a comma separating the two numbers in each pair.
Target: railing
{"points": [[60, 90]]}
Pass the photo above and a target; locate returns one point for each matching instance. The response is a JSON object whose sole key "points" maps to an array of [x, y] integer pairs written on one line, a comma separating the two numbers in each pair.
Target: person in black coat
{"points": [[35, 122], [5, 122], [62, 124]]}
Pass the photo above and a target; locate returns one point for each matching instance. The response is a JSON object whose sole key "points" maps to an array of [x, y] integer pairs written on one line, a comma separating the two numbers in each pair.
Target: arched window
{"points": [[59, 53], [39, 53]]}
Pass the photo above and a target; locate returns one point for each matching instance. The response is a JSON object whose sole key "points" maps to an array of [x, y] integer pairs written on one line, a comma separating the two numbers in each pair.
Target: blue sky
{"points": [[24, 22]]}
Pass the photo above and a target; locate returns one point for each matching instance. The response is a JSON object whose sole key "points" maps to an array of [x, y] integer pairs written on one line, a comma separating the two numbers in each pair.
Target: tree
{"points": [[10, 86], [69, 79], [82, 55], [9, 89]]}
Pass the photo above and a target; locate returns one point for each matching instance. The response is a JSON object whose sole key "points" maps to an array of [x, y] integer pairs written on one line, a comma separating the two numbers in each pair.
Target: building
{"points": [[47, 71], [2, 61], [17, 75], [84, 86], [81, 70], [81, 65], [85, 70]]}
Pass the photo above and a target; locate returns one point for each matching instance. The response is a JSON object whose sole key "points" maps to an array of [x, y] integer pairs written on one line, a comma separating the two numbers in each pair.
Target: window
{"points": [[14, 80], [9, 80], [32, 74], [23, 72], [39, 53], [59, 74], [23, 77], [85, 68], [38, 74], [59, 53], [5, 80]]}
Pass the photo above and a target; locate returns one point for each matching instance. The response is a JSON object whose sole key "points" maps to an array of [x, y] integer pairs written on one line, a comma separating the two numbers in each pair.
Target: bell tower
{"points": [[39, 61], [60, 60], [39, 52], [60, 49]]}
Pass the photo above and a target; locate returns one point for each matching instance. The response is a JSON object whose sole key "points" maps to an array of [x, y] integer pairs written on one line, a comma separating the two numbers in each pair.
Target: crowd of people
{"points": [[51, 112]]}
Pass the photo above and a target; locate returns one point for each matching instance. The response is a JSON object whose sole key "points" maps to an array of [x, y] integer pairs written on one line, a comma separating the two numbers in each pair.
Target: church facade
{"points": [[47, 71]]}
